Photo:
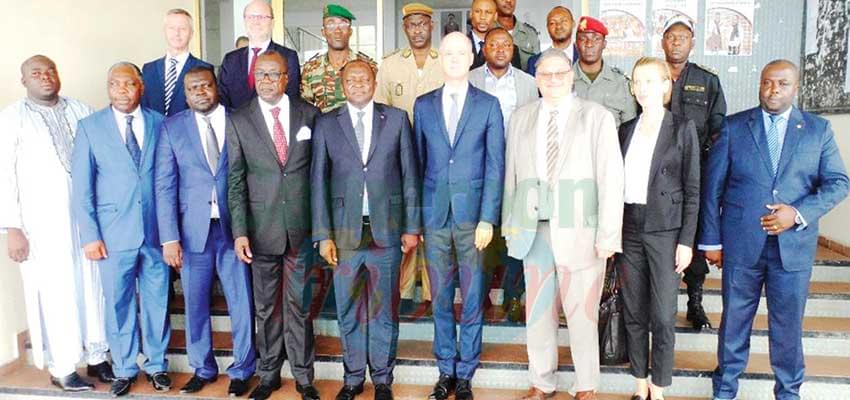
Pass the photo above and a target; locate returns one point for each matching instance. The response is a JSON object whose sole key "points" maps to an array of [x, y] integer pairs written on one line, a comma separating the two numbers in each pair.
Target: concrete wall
{"points": [[834, 224], [84, 37]]}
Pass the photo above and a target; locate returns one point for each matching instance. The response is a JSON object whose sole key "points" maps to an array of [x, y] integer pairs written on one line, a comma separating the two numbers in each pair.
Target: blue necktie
{"points": [[773, 146], [132, 144]]}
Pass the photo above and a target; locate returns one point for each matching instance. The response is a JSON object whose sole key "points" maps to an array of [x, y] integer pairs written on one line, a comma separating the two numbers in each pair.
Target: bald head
{"points": [[34, 59], [259, 18], [258, 7], [41, 79], [783, 64], [456, 56]]}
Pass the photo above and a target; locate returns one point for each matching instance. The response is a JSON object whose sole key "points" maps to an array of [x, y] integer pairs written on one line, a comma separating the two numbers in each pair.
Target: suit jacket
{"points": [[464, 177], [269, 202], [390, 175], [590, 168], [739, 179], [153, 74], [525, 85], [184, 184], [672, 196], [478, 57], [233, 77], [112, 199]]}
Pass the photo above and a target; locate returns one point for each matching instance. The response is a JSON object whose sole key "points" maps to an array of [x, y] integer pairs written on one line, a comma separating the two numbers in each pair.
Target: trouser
{"points": [[366, 287], [442, 270], [197, 276], [120, 274], [579, 292], [650, 289], [786, 293]]}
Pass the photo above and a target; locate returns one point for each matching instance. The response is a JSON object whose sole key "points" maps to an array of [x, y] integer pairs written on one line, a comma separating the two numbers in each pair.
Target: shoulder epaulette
{"points": [[315, 57], [536, 32], [392, 53], [618, 71], [708, 69]]}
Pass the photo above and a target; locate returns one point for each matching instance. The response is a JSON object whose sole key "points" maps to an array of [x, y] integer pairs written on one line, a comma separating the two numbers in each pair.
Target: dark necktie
{"points": [[132, 145], [256, 51]]}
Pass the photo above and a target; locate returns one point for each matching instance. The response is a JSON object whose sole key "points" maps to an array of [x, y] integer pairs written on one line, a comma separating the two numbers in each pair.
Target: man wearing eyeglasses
{"points": [[269, 149], [321, 77], [596, 80], [236, 82], [562, 148]]}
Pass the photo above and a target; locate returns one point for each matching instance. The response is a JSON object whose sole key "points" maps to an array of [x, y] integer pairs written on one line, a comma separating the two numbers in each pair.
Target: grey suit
{"points": [[270, 204], [524, 84]]}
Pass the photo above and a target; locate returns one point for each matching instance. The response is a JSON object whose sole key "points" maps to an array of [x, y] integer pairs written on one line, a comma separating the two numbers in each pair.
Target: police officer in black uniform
{"points": [[697, 95]]}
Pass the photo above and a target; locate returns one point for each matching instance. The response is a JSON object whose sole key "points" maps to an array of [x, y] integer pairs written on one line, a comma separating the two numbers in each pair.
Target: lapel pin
{"points": [[799, 126]]}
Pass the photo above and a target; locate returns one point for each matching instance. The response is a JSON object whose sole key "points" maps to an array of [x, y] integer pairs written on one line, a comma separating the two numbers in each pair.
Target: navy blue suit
{"points": [[462, 186], [184, 185], [367, 274], [113, 200], [153, 75], [740, 180], [233, 78]]}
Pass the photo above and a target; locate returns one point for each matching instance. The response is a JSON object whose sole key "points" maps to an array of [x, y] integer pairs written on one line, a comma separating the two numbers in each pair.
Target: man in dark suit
{"points": [[482, 16], [460, 140], [191, 197], [269, 148], [163, 77], [236, 80], [365, 207], [774, 171], [113, 199]]}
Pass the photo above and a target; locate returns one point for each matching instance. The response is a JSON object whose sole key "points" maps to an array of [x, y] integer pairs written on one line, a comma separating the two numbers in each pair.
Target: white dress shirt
{"points": [[263, 47], [637, 164], [181, 62], [543, 131], [447, 102], [504, 89], [138, 125], [266, 108], [369, 109], [217, 120]]}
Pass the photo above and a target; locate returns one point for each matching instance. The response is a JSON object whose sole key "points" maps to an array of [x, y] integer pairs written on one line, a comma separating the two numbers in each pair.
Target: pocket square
{"points": [[303, 134]]}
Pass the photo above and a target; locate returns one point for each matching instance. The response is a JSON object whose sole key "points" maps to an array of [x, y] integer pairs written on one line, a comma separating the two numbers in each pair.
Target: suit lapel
{"points": [[150, 139], [665, 139], [796, 127], [344, 120], [114, 135], [258, 120], [759, 136], [378, 121], [437, 102], [159, 68], [471, 94], [193, 131], [178, 86], [531, 135], [568, 137]]}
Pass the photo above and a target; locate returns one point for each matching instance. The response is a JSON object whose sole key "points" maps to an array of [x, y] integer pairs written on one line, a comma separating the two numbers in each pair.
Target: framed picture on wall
{"points": [[452, 21], [825, 84]]}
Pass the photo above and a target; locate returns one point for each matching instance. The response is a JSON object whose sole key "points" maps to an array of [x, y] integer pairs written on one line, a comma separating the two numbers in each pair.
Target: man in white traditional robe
{"points": [[64, 298]]}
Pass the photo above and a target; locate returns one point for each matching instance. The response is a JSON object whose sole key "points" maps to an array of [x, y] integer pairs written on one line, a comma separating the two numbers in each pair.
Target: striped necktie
{"points": [[552, 144], [131, 142], [773, 145], [170, 82]]}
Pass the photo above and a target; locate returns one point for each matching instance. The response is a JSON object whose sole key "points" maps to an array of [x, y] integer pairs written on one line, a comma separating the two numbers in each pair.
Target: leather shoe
{"points": [[308, 392], [71, 383], [264, 391], [349, 392], [586, 395], [160, 381], [121, 386], [237, 387], [444, 387], [102, 371], [463, 390], [536, 394], [383, 392], [196, 384], [637, 397]]}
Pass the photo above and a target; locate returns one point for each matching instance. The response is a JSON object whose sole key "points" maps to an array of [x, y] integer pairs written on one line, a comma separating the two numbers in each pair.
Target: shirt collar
{"points": [[181, 58], [448, 91], [283, 103], [263, 46], [216, 113], [368, 109], [137, 113], [562, 107], [490, 74], [785, 114]]}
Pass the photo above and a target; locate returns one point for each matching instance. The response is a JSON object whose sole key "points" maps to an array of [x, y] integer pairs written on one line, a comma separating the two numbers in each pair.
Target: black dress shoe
{"points": [[349, 392], [237, 387], [463, 391], [196, 384], [160, 381], [383, 392], [121, 386], [637, 397], [264, 391], [102, 371], [308, 392], [444, 387], [71, 383]]}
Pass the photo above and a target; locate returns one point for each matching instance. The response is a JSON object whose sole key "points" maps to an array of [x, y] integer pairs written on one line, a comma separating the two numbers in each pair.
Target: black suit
{"points": [[233, 78], [270, 204], [651, 233], [366, 277]]}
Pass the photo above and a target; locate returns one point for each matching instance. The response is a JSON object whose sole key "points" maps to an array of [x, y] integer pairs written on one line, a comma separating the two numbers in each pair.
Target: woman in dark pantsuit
{"points": [[661, 156]]}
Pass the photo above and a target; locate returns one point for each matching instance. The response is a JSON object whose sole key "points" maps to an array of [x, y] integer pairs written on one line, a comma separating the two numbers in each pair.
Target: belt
{"points": [[365, 220]]}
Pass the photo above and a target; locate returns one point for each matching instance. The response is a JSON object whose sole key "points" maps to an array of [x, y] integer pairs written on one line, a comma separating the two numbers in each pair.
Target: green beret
{"points": [[336, 10]]}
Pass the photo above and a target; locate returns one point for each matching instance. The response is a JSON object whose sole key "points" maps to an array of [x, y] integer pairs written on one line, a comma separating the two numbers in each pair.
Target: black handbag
{"points": [[613, 347]]}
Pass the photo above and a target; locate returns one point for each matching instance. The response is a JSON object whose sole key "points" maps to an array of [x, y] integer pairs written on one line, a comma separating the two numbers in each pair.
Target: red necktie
{"points": [[279, 137], [256, 51]]}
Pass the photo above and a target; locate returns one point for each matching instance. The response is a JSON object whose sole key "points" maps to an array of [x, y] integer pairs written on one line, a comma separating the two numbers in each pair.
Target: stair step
{"points": [[817, 290]]}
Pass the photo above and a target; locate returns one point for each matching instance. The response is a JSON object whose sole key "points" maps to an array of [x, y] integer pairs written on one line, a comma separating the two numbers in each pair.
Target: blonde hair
{"points": [[663, 70]]}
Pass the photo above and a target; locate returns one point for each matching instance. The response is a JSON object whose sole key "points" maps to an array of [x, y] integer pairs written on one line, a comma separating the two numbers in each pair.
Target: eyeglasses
{"points": [[336, 25], [552, 75], [273, 76], [257, 17]]}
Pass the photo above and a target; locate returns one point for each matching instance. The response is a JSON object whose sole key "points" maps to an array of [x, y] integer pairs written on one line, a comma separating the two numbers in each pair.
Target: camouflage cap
{"points": [[336, 10]]}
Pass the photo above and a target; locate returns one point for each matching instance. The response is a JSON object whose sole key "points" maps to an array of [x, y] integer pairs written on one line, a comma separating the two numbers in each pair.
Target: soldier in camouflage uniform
{"points": [[321, 75], [526, 38], [596, 80]]}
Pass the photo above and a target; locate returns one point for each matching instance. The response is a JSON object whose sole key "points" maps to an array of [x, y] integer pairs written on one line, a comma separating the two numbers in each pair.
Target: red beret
{"points": [[590, 24]]}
